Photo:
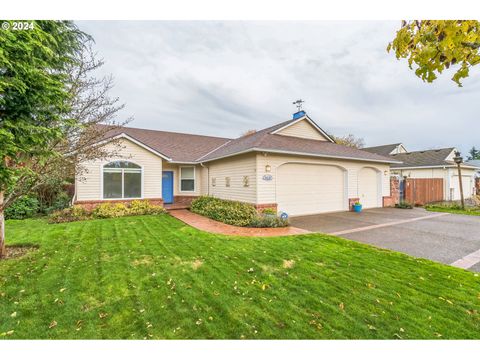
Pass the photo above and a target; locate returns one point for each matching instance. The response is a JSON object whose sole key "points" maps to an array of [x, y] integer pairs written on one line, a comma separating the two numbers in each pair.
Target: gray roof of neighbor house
{"points": [[383, 150], [197, 148], [475, 163], [424, 158]]}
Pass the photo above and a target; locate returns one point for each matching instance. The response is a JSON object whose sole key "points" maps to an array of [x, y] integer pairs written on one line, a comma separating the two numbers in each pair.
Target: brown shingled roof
{"points": [[177, 146], [424, 158], [198, 148]]}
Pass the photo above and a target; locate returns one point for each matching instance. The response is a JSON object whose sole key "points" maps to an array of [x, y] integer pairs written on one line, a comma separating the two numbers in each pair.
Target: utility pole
{"points": [[459, 160]]}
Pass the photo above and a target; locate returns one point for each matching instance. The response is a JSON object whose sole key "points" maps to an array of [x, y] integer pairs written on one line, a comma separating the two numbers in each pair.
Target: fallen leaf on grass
{"points": [[14, 314], [63, 289], [52, 324], [102, 315], [341, 306], [288, 264]]}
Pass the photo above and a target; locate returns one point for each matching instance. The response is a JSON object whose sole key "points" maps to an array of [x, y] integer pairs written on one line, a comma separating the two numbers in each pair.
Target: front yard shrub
{"points": [[138, 207], [404, 205], [268, 221], [24, 207], [236, 213], [109, 210], [74, 213], [227, 211], [105, 211]]}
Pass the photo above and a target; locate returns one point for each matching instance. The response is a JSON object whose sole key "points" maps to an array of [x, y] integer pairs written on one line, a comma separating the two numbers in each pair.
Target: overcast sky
{"points": [[223, 78]]}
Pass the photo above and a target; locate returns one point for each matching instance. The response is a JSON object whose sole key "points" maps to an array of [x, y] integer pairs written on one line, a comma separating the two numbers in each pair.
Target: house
{"points": [[294, 167], [431, 164]]}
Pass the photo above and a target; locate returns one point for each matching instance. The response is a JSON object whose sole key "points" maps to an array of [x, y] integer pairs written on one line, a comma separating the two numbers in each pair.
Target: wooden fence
{"points": [[423, 191]]}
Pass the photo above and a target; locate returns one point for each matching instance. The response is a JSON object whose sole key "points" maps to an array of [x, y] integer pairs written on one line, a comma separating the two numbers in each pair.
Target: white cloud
{"points": [[222, 78]]}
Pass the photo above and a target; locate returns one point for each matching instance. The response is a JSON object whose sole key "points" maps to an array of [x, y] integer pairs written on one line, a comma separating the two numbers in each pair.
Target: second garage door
{"points": [[369, 188], [304, 189]]}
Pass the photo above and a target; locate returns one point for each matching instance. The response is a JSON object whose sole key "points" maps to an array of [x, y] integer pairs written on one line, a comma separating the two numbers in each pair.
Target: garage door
{"points": [[467, 183], [310, 189], [369, 188]]}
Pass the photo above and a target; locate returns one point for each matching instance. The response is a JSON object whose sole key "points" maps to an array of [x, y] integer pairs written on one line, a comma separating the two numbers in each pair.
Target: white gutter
{"points": [[305, 154], [431, 167]]}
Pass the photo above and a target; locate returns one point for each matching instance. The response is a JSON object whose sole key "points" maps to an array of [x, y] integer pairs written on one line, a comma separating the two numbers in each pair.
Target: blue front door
{"points": [[167, 187]]}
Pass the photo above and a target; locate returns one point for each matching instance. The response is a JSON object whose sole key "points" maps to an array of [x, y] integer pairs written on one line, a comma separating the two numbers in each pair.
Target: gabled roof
{"points": [[303, 118], [178, 147], [424, 158], [384, 150], [266, 140], [189, 148]]}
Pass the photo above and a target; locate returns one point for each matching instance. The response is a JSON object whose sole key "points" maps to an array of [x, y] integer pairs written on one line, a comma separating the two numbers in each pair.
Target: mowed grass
{"points": [[154, 277], [467, 211]]}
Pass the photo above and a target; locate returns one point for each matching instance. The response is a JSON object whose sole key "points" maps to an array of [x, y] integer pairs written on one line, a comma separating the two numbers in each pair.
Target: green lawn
{"points": [[474, 212], [154, 277]]}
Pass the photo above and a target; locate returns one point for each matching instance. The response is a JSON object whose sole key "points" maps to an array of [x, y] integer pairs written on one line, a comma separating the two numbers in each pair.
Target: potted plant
{"points": [[357, 207]]}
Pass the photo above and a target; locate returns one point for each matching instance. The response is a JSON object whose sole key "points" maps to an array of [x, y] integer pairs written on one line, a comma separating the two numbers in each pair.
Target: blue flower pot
{"points": [[357, 207]]}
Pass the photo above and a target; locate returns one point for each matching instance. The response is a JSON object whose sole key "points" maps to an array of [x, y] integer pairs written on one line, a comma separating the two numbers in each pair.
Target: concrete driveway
{"points": [[446, 238]]}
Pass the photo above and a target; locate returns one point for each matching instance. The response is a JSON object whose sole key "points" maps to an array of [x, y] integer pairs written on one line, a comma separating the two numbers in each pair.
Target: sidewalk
{"points": [[212, 226]]}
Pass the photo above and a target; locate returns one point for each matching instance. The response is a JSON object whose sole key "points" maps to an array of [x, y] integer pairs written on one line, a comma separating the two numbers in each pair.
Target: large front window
{"points": [[122, 180], [187, 178]]}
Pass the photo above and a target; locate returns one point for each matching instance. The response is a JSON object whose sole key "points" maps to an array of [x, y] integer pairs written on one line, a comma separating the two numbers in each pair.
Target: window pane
{"points": [[122, 165], [112, 185], [187, 173], [132, 184], [187, 185]]}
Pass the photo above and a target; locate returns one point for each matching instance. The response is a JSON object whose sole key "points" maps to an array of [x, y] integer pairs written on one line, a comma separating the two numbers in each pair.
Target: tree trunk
{"points": [[3, 250]]}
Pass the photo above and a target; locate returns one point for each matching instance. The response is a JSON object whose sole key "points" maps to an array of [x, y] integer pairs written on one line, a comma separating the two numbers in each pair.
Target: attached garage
{"points": [[304, 189], [369, 188]]}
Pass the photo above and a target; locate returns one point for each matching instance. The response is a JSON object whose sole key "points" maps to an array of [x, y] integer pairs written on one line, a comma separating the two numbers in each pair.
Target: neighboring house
{"points": [[475, 163], [387, 150], [293, 166], [429, 164]]}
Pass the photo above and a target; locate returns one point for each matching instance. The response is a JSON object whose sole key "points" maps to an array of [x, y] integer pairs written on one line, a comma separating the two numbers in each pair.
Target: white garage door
{"points": [[369, 188], [467, 183], [310, 189]]}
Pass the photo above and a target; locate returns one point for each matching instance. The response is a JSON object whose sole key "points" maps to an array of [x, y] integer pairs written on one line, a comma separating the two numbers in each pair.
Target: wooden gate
{"points": [[423, 191]]}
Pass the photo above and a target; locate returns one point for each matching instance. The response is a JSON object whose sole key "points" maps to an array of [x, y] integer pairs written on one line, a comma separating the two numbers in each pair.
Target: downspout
{"points": [[208, 177]]}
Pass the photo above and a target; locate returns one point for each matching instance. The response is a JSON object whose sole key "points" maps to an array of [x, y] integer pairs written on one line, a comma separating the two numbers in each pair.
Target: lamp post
{"points": [[459, 160]]}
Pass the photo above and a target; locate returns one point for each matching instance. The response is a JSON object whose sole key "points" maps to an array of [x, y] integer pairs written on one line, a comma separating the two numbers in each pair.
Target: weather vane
{"points": [[298, 103]]}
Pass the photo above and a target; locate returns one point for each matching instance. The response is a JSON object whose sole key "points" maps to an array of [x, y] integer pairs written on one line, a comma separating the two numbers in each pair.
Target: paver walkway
{"points": [[212, 226]]}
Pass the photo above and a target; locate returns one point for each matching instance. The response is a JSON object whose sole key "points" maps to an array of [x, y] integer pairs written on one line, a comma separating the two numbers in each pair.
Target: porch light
{"points": [[268, 168]]}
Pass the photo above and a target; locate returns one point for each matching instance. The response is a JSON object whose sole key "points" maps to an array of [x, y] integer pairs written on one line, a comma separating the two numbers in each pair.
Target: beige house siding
{"points": [[267, 189], [176, 179], [302, 129], [89, 184], [236, 168]]}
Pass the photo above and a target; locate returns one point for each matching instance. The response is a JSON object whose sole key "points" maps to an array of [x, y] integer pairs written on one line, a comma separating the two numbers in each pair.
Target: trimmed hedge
{"points": [[235, 213], [227, 211], [105, 211]]}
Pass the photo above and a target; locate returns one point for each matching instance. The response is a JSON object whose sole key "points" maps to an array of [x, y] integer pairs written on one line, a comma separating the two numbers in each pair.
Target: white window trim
{"points": [[102, 197], [194, 180]]}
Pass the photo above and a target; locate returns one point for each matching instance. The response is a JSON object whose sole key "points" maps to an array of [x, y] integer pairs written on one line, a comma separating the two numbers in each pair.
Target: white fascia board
{"points": [[433, 167], [304, 154]]}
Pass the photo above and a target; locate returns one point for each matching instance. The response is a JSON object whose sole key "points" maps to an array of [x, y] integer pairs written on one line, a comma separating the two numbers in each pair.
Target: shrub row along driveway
{"points": [[437, 236], [155, 277]]}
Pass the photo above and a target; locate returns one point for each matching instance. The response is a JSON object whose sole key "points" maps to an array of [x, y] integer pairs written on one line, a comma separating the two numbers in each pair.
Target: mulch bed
{"points": [[14, 252]]}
